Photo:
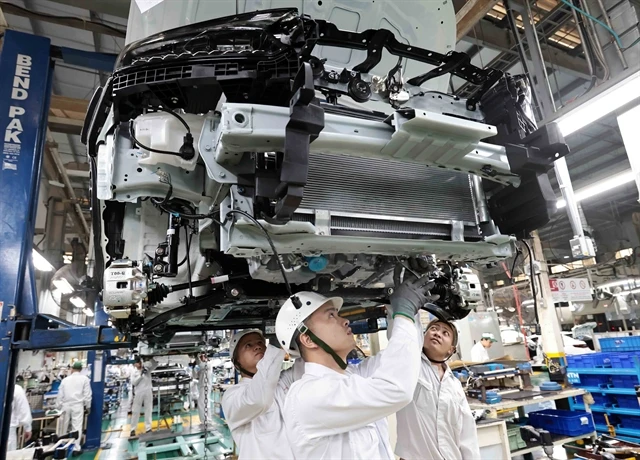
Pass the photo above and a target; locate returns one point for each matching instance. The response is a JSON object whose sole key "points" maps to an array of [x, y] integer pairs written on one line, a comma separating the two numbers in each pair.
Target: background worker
{"points": [[74, 397], [20, 416], [142, 393], [332, 412], [253, 407], [438, 423], [480, 351]]}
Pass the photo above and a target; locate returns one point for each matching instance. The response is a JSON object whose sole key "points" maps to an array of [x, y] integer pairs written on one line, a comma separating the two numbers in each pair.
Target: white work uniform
{"points": [[74, 395], [142, 394], [438, 423], [253, 408], [328, 414], [205, 377], [479, 353], [20, 415]]}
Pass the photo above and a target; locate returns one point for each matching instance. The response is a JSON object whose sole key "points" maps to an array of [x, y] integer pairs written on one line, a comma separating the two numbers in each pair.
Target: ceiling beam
{"points": [[76, 23], [65, 125], [487, 34], [69, 104], [119, 8], [469, 15]]}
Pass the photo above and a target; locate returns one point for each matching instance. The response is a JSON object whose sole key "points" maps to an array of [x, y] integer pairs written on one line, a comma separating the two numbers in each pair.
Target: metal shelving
{"points": [[613, 391], [610, 410]]}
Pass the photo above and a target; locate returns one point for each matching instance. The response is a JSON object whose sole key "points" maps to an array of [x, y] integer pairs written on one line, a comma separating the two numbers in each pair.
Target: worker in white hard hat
{"points": [[253, 408], [335, 412], [74, 397], [142, 393], [20, 416], [438, 423], [480, 351]]}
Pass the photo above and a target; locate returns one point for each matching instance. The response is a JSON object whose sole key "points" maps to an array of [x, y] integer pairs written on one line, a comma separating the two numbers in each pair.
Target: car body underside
{"points": [[214, 144]]}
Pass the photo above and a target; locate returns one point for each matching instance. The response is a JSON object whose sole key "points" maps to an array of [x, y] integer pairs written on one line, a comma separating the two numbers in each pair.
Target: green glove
{"points": [[410, 296]]}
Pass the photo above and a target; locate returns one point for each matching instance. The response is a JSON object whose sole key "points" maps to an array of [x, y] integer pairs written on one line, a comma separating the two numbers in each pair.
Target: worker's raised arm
{"points": [[243, 403], [339, 405], [152, 364], [86, 393], [136, 376]]}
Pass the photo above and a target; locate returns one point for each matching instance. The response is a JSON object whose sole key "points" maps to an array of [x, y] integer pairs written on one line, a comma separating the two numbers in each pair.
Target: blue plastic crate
{"points": [[566, 422], [574, 361], [588, 380], [628, 402], [592, 360], [622, 360], [620, 343], [622, 381], [602, 400], [629, 421], [598, 419]]}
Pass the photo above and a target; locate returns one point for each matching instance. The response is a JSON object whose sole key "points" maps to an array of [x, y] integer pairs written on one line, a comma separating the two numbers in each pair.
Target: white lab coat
{"points": [[253, 408], [74, 395], [205, 368], [438, 423], [479, 353], [142, 394], [20, 416], [333, 415]]}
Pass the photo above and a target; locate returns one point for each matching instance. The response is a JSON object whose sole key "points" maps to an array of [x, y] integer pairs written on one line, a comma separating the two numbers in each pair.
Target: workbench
{"points": [[494, 428]]}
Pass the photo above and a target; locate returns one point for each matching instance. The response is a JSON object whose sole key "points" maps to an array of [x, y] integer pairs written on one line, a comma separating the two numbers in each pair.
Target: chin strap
{"points": [[243, 370], [424, 350], [315, 339]]}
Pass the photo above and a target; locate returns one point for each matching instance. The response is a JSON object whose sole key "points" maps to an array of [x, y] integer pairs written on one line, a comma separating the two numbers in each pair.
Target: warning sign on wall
{"points": [[571, 289]]}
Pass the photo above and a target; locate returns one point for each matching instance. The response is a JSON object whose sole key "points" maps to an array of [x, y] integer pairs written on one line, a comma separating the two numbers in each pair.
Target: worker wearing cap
{"points": [[253, 407], [479, 352], [142, 393], [74, 397], [20, 416], [335, 412], [438, 423]]}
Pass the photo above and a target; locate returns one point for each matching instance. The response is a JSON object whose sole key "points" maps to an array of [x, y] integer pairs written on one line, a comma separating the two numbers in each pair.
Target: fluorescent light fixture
{"points": [[624, 282], [87, 311], [39, 262], [63, 285], [601, 105], [78, 302], [600, 187]]}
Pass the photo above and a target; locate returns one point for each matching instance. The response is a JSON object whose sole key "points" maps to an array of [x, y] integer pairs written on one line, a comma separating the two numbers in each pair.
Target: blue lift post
{"points": [[26, 75], [25, 86]]}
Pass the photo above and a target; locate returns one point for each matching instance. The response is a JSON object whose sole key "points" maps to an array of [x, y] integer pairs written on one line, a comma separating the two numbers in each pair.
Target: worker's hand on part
{"points": [[27, 436], [410, 296]]}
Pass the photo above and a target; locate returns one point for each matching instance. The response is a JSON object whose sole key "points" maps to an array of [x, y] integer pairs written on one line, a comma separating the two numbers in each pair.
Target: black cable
{"points": [[185, 256], [142, 146], [533, 281], [171, 112], [513, 266], [186, 230], [273, 247]]}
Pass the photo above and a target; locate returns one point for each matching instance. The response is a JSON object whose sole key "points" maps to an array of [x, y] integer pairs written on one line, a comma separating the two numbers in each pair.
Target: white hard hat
{"points": [[289, 317], [235, 339]]}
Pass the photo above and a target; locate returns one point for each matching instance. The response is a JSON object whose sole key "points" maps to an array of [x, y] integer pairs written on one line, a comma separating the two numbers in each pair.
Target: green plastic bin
{"points": [[515, 440]]}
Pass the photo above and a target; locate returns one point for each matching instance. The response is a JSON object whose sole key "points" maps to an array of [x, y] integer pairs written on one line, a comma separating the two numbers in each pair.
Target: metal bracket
{"points": [[306, 120]]}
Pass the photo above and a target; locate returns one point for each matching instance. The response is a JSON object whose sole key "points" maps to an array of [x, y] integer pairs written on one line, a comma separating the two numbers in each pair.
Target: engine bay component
{"points": [[232, 132]]}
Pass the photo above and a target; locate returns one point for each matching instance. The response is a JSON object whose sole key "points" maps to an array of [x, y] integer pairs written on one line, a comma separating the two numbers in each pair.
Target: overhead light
{"points": [[63, 285], [600, 187], [87, 311], [566, 257], [617, 283], [77, 301], [39, 262], [601, 105]]}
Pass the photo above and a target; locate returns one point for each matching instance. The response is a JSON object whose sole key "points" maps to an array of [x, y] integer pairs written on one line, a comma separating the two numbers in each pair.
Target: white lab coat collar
{"points": [[320, 370]]}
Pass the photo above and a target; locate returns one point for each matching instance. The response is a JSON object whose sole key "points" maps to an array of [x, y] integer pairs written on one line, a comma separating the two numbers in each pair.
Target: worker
{"points": [[142, 393], [479, 352], [253, 408], [438, 423], [204, 371], [20, 416], [332, 412], [74, 397]]}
